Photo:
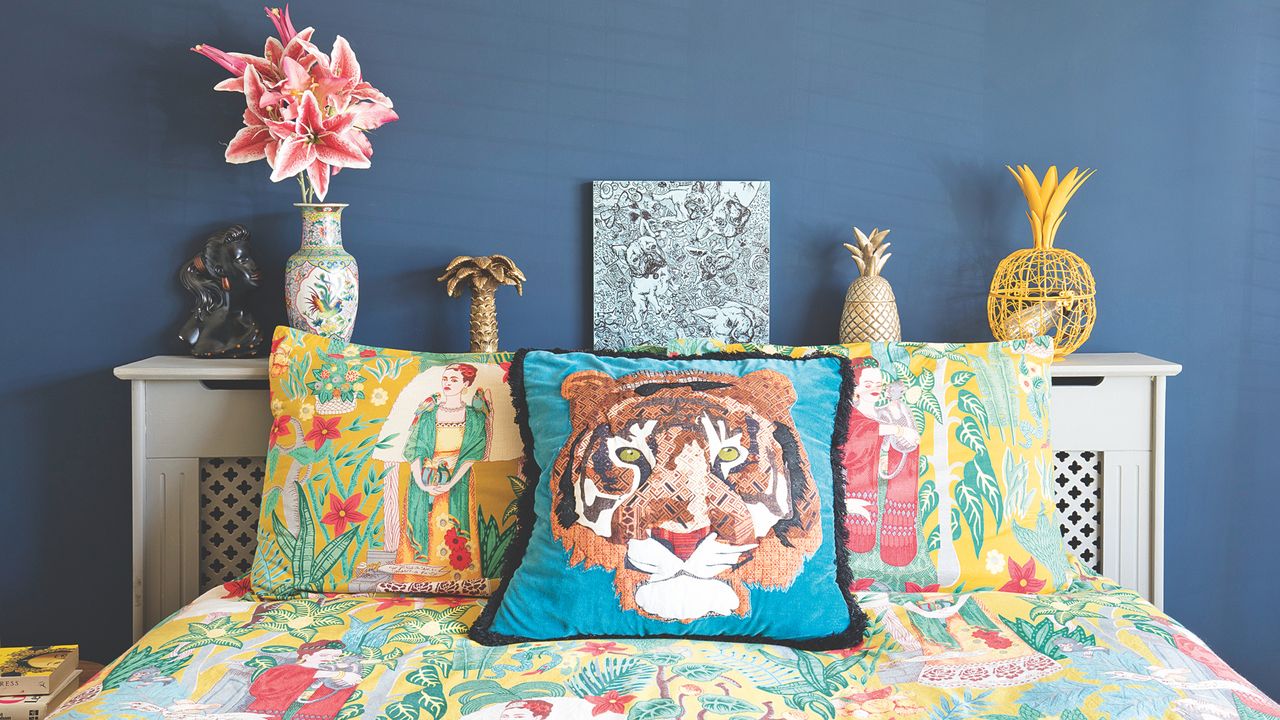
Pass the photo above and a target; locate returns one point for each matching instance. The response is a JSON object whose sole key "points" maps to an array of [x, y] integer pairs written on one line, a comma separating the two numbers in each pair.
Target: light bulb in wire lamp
{"points": [[1044, 290]]}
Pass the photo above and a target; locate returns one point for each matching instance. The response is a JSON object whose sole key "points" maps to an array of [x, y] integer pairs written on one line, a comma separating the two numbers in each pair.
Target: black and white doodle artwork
{"points": [[680, 259]]}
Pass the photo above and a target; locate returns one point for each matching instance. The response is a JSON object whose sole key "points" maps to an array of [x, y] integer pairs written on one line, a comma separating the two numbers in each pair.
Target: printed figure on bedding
{"points": [[691, 487], [314, 687]]}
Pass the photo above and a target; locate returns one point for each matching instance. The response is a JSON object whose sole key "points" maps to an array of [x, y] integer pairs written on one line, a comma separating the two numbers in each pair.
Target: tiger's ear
{"points": [[586, 392], [586, 383], [769, 385]]}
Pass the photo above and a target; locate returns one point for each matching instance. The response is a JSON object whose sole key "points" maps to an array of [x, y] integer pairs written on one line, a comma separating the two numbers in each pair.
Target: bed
{"points": [[1096, 651], [975, 648]]}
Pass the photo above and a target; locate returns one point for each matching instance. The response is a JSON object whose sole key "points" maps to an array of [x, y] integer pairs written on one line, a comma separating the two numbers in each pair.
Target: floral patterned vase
{"points": [[321, 280]]}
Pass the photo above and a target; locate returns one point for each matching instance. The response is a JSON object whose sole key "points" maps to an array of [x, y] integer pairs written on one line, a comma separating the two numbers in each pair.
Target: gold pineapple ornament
{"points": [[1044, 290], [870, 310], [485, 275]]}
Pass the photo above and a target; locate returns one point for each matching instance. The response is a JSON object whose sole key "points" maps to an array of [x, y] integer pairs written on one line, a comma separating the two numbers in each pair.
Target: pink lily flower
{"points": [[283, 24], [344, 64], [305, 113], [255, 141], [229, 61], [319, 81], [269, 65], [314, 143]]}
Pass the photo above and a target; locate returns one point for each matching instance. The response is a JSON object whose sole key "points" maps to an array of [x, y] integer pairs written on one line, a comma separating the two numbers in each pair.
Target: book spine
{"points": [[28, 685], [24, 713]]}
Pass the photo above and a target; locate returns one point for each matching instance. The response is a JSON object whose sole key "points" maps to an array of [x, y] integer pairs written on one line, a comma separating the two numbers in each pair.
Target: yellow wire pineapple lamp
{"points": [[1044, 290]]}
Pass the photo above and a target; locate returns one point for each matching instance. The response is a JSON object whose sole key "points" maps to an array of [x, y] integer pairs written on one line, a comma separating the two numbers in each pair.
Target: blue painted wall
{"points": [[889, 114]]}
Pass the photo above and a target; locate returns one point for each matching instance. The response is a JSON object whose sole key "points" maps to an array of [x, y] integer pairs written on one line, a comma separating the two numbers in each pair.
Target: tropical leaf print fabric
{"points": [[947, 464], [1095, 651], [387, 470], [689, 497]]}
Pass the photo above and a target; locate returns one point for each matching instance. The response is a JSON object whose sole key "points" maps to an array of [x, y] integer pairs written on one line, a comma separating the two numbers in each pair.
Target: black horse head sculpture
{"points": [[221, 277]]}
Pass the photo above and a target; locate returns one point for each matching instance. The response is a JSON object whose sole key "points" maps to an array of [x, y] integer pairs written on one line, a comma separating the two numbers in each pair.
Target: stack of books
{"points": [[34, 681]]}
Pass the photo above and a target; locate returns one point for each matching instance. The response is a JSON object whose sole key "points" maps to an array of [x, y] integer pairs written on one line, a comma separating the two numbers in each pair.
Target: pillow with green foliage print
{"points": [[947, 463], [387, 470]]}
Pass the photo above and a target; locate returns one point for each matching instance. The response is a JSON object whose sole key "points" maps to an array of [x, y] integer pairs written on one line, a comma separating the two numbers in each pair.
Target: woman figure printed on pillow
{"points": [[882, 444], [448, 435]]}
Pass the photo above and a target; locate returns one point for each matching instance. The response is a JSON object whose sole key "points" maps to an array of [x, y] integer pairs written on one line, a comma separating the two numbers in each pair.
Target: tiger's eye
{"points": [[628, 454], [728, 454]]}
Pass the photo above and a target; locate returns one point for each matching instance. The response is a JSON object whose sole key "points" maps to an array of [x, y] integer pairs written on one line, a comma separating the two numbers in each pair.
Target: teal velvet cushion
{"points": [[677, 498]]}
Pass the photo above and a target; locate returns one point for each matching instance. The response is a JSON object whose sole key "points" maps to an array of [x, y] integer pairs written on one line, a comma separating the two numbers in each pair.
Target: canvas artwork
{"points": [[679, 259]]}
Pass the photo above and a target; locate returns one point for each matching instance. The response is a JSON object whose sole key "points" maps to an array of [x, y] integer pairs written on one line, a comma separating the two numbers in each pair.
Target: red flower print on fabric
{"points": [[460, 558], [610, 702], [279, 429], [341, 512], [861, 584], [597, 649], [323, 429], [368, 353], [914, 588], [454, 540], [236, 588], [1022, 578]]}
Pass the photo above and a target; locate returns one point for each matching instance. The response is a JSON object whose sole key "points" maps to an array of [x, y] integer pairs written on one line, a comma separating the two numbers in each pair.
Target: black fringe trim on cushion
{"points": [[480, 630]]}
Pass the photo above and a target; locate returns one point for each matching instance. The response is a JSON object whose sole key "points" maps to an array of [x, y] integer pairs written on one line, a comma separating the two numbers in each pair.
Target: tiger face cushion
{"points": [[677, 498]]}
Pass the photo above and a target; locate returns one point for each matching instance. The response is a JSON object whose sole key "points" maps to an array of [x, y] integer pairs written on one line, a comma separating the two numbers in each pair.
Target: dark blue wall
{"points": [[889, 114]]}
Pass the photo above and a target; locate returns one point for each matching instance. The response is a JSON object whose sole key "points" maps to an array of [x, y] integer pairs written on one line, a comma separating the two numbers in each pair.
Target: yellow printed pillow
{"points": [[947, 462], [387, 470]]}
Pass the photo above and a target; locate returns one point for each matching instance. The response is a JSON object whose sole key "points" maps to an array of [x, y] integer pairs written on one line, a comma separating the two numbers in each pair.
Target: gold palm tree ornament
{"points": [[484, 275], [870, 309], [1044, 290]]}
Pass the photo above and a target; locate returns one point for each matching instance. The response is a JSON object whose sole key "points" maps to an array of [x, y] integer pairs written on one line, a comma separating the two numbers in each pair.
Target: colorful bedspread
{"points": [[1096, 652]]}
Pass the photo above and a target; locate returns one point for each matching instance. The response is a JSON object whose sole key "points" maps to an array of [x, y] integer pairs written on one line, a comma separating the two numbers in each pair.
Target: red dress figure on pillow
{"points": [[882, 444], [313, 688]]}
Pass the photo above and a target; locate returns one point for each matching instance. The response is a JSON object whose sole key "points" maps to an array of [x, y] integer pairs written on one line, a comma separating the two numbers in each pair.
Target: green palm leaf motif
{"points": [[1044, 542], [428, 702], [427, 625], [162, 662], [654, 709], [998, 385], [1062, 608], [623, 674], [817, 683], [968, 705], [222, 632], [727, 704], [474, 695], [332, 553], [1044, 635], [303, 618], [967, 401]]}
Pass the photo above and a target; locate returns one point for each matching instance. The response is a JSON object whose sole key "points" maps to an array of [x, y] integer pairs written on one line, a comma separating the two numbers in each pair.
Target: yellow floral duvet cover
{"points": [[1095, 651]]}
